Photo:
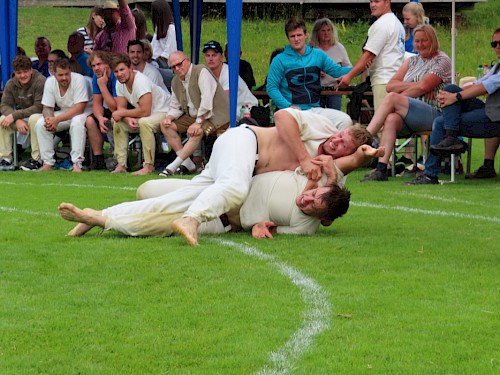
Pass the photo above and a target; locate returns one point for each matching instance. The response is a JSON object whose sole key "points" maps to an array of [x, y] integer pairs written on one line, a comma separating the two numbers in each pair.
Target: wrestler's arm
{"points": [[360, 157]]}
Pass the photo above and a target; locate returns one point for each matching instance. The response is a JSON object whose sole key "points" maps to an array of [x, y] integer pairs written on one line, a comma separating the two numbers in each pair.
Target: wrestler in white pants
{"points": [[77, 134], [221, 186]]}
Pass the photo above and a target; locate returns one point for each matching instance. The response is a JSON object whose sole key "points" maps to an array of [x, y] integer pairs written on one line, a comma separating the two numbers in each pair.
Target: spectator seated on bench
{"points": [[464, 114]]}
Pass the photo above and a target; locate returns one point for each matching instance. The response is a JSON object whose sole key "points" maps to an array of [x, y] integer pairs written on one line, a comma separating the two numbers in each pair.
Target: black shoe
{"points": [[6, 165], [482, 172], [423, 180], [375, 176], [398, 169], [184, 171], [403, 159], [166, 173], [31, 165], [449, 145]]}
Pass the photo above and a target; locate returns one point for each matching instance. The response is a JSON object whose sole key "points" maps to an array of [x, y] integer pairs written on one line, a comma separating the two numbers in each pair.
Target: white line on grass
{"points": [[29, 212], [316, 316], [427, 212], [69, 185], [443, 199]]}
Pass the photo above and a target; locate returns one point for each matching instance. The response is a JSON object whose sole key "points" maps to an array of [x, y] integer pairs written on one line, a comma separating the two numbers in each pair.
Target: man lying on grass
{"points": [[274, 204], [242, 152]]}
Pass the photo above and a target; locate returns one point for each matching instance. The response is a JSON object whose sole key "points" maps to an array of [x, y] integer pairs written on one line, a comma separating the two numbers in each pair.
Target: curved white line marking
{"points": [[428, 212], [315, 319]]}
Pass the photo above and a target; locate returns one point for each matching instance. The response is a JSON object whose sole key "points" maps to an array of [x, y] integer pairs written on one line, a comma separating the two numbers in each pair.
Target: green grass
{"points": [[410, 292], [410, 274]]}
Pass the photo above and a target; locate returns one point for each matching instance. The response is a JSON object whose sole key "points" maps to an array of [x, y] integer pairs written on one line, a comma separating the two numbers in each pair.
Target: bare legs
{"points": [[392, 103], [88, 218]]}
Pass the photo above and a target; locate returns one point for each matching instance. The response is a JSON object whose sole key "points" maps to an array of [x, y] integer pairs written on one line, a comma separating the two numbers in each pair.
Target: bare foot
{"points": [[79, 230], [187, 227], [77, 168], [45, 167], [70, 212], [146, 169], [119, 169]]}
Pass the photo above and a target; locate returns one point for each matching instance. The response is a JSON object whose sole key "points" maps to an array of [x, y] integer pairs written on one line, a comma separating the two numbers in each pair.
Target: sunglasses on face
{"points": [[178, 65], [495, 44]]}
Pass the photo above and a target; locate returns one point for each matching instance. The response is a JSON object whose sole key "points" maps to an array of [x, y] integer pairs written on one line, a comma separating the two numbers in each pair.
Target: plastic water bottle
{"points": [[480, 71], [246, 112], [242, 111], [486, 69]]}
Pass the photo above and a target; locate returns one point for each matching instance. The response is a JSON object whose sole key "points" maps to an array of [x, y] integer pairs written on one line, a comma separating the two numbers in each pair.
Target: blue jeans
{"points": [[468, 118], [331, 101]]}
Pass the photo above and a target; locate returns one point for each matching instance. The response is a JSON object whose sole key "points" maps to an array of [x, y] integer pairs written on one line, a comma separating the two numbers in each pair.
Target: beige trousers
{"points": [[6, 145], [148, 126]]}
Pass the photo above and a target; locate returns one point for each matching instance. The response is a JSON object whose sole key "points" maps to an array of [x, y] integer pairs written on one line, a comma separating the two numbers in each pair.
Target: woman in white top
{"points": [[164, 40], [325, 36], [94, 26]]}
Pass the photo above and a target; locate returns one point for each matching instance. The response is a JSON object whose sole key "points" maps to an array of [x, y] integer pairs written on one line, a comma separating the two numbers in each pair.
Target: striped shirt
{"points": [[89, 43], [439, 65]]}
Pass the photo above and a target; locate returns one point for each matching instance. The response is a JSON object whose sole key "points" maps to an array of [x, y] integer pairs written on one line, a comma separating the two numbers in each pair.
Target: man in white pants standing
{"points": [[70, 92]]}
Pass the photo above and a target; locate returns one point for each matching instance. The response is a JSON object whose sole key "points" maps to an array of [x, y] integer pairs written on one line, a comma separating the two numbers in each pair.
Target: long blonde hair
{"points": [[314, 39], [418, 11]]}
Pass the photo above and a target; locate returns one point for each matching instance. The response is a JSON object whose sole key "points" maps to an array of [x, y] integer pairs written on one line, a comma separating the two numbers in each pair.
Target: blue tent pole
{"points": [[234, 13], [195, 15], [176, 9], [8, 38]]}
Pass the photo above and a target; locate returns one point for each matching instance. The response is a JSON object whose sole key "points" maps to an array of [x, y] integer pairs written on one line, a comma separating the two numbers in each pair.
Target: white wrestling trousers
{"points": [[77, 133], [222, 186]]}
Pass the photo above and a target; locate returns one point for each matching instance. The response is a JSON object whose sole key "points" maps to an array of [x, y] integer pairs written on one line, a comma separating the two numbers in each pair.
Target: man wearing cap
{"points": [[213, 59], [199, 106], [120, 27]]}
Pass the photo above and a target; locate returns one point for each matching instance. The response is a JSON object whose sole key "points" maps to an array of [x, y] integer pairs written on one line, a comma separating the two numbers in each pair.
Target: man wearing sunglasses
{"points": [[199, 107], [465, 115]]}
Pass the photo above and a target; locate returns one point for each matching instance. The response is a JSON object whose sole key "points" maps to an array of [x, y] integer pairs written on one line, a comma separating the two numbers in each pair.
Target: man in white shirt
{"points": [[383, 51], [135, 49], [150, 105], [70, 92], [213, 60]]}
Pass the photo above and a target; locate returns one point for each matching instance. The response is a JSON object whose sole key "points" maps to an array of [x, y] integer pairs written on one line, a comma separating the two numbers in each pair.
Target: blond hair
{"points": [[314, 39], [417, 10]]}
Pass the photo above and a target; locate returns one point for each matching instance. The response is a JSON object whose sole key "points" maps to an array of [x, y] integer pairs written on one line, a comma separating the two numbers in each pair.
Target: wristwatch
{"points": [[459, 97], [199, 120]]}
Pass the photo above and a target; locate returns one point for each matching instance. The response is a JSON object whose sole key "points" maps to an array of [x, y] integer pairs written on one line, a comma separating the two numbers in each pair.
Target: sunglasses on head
{"points": [[212, 46], [495, 44]]}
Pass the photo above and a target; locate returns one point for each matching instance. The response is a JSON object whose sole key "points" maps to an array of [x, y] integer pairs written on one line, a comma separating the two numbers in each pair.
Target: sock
{"points": [[175, 164], [489, 163], [451, 133], [382, 167], [188, 163]]}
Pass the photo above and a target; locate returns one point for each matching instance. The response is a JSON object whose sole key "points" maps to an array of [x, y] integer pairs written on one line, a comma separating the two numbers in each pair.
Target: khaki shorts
{"points": [[185, 121]]}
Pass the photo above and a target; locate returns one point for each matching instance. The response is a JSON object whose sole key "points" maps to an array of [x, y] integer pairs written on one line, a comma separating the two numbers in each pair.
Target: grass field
{"points": [[406, 283]]}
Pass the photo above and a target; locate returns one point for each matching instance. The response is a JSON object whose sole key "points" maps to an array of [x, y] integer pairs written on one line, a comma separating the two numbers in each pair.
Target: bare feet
{"points": [[146, 169], [77, 168], [187, 227], [79, 230], [119, 169], [87, 216], [45, 167]]}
